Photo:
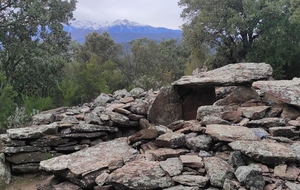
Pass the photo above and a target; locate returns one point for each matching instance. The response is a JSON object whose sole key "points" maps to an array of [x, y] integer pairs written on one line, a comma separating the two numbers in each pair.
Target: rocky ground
{"points": [[229, 128]]}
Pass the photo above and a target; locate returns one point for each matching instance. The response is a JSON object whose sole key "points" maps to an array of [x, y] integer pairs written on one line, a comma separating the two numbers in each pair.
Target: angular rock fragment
{"points": [[191, 180], [240, 95], [230, 133], [287, 172], [103, 98], [269, 153], [29, 157], [25, 168], [85, 128], [66, 186], [267, 122], [33, 132], [287, 131], [200, 142], [12, 150], [170, 140], [164, 153], [173, 166], [256, 112], [140, 174], [284, 90], [83, 164], [193, 161], [251, 177], [290, 112], [144, 134], [292, 185], [218, 170], [43, 118]]}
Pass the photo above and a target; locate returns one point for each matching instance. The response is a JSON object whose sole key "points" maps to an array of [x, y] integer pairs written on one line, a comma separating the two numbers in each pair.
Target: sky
{"points": [[157, 13]]}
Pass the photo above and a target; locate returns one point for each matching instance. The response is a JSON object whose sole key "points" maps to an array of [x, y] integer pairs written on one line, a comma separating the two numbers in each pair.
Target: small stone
{"points": [[144, 134], [172, 166], [287, 131], [191, 180], [256, 112], [201, 142], [218, 170], [236, 159], [192, 161], [170, 140], [101, 179], [251, 177]]}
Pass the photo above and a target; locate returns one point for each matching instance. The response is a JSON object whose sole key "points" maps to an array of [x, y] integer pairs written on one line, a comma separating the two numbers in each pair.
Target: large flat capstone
{"points": [[229, 75]]}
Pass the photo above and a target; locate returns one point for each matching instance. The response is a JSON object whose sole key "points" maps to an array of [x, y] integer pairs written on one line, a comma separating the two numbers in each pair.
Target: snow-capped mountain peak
{"points": [[95, 26], [126, 22], [85, 24]]}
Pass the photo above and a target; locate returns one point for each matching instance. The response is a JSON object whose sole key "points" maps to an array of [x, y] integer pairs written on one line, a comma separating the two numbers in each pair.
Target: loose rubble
{"points": [[229, 128]]}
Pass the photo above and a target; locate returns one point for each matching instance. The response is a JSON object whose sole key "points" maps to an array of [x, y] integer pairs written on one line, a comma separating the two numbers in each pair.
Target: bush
{"points": [[34, 104]]}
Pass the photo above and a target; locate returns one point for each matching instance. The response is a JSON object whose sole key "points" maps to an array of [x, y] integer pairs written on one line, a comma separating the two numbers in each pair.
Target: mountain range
{"points": [[121, 31]]}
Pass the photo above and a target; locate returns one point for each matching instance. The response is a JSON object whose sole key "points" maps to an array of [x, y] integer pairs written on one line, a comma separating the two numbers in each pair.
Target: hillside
{"points": [[121, 31]]}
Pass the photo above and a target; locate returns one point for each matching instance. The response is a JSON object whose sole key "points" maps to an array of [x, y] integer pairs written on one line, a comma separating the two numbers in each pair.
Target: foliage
{"points": [[7, 105], [31, 38], [149, 61], [68, 89], [34, 104], [244, 30], [101, 45]]}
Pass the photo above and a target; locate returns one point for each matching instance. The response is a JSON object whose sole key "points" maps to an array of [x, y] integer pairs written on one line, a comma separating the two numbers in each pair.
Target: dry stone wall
{"points": [[244, 137]]}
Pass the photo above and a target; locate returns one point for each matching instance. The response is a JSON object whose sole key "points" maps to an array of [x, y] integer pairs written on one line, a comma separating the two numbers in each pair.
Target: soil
{"points": [[28, 181]]}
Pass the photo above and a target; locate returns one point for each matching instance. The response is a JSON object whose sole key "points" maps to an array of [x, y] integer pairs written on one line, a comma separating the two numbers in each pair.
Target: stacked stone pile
{"points": [[185, 138], [65, 130]]}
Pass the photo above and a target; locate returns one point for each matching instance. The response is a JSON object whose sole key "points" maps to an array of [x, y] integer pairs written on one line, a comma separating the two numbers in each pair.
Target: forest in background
{"points": [[41, 68]]}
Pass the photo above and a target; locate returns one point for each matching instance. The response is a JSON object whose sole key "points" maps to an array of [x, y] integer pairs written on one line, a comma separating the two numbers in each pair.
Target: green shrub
{"points": [[68, 89], [34, 104]]}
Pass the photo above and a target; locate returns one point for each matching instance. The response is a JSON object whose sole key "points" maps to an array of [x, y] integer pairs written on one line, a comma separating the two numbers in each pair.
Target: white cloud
{"points": [[165, 13]]}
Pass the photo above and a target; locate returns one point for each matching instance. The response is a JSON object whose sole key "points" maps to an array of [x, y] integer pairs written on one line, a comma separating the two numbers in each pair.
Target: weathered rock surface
{"points": [[218, 170], [173, 166], [166, 107], [170, 140], [251, 177], [266, 152], [140, 174], [5, 175], [90, 159], [284, 90], [230, 133], [240, 95], [199, 142], [191, 180], [33, 132], [229, 75]]}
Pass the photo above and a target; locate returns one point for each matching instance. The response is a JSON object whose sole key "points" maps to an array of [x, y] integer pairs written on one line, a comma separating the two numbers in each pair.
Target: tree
{"points": [[101, 45], [31, 33], [97, 62], [235, 28], [151, 64]]}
